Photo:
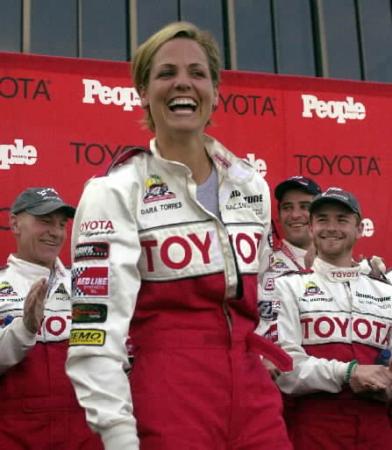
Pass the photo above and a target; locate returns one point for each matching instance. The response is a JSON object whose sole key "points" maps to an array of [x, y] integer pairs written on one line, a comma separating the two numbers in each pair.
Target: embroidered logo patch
{"points": [[269, 284], [89, 312], [91, 250], [90, 282], [279, 264], [156, 190], [6, 289], [61, 289], [311, 288], [87, 336]]}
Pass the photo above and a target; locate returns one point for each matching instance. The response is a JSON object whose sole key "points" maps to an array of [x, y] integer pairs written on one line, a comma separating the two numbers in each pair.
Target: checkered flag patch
{"points": [[76, 292]]}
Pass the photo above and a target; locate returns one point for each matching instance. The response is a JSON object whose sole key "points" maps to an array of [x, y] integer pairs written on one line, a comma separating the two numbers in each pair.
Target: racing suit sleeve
{"points": [[97, 356], [264, 256], [310, 374], [15, 342], [264, 323]]}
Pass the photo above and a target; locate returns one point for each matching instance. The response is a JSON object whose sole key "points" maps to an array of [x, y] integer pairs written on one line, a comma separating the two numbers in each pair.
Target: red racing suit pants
{"points": [[38, 406], [195, 390], [339, 422]]}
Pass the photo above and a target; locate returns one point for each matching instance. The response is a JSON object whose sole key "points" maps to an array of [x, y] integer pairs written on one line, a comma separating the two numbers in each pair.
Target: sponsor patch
{"points": [[269, 284], [89, 312], [90, 282], [278, 263], [156, 189], [269, 309], [92, 250], [97, 227], [311, 288], [61, 289], [87, 336], [6, 289]]}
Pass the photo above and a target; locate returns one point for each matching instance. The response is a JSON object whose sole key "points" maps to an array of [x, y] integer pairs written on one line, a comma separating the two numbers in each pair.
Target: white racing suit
{"points": [[150, 262], [328, 318], [284, 257], [38, 406]]}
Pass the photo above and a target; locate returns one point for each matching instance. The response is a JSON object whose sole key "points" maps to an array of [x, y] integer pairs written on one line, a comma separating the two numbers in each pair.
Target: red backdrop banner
{"points": [[63, 120]]}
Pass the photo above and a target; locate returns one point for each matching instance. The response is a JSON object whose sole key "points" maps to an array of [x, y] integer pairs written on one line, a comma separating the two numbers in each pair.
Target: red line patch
{"points": [[90, 282]]}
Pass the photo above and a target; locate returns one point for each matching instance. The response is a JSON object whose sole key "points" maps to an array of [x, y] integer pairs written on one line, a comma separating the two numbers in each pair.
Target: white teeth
{"points": [[182, 101]]}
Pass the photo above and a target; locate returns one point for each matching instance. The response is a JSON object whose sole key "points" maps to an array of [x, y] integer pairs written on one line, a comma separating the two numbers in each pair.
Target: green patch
{"points": [[89, 313]]}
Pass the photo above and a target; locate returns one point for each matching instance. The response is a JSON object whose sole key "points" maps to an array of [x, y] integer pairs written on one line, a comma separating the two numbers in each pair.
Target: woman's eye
{"points": [[198, 73], [165, 74]]}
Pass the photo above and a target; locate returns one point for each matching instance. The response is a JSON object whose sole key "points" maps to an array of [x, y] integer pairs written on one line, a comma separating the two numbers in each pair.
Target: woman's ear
{"points": [[144, 101]]}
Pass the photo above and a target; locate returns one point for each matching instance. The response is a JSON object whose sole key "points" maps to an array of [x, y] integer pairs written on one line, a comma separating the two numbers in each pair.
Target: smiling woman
{"points": [[190, 224]]}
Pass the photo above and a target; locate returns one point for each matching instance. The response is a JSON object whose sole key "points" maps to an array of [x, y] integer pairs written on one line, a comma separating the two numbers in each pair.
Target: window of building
{"points": [[342, 58], [195, 12], [253, 35], [294, 40], [376, 32], [53, 27], [11, 25], [153, 15], [104, 29]]}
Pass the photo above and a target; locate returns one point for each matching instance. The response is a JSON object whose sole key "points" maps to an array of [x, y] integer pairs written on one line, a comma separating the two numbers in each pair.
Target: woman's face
{"points": [[180, 93]]}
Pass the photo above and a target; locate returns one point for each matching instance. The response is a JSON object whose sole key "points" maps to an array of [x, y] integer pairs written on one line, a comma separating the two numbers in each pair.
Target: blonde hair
{"points": [[141, 64]]}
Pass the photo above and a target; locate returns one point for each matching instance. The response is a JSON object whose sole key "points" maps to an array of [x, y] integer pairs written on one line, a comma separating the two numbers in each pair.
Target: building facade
{"points": [[347, 39]]}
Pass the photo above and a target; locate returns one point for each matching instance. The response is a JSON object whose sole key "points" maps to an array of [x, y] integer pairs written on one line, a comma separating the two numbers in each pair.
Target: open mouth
{"points": [[182, 104]]}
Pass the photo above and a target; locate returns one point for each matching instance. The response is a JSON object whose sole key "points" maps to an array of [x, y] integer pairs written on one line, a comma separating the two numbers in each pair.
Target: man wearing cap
{"points": [[294, 196], [335, 321], [38, 407]]}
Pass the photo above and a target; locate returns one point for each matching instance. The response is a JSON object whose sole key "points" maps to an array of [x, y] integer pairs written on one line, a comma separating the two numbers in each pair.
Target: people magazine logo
{"points": [[341, 111], [259, 164], [17, 154], [368, 227], [95, 91]]}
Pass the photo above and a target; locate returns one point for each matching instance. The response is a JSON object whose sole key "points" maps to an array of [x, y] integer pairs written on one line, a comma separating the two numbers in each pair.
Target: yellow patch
{"points": [[87, 336]]}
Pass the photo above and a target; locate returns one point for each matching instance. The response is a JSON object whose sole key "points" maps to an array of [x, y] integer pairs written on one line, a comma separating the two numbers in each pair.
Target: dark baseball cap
{"points": [[336, 195], [39, 201], [297, 182]]}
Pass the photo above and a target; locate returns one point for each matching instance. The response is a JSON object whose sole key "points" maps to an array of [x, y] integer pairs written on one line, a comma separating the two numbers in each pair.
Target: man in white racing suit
{"points": [[38, 407], [293, 196], [334, 322]]}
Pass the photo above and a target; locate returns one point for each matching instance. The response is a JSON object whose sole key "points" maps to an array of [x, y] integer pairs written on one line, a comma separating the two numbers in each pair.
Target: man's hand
{"points": [[33, 312], [371, 378]]}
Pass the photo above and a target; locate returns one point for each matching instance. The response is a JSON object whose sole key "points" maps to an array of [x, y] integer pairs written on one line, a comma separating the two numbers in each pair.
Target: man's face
{"points": [[335, 229], [39, 238], [294, 217]]}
